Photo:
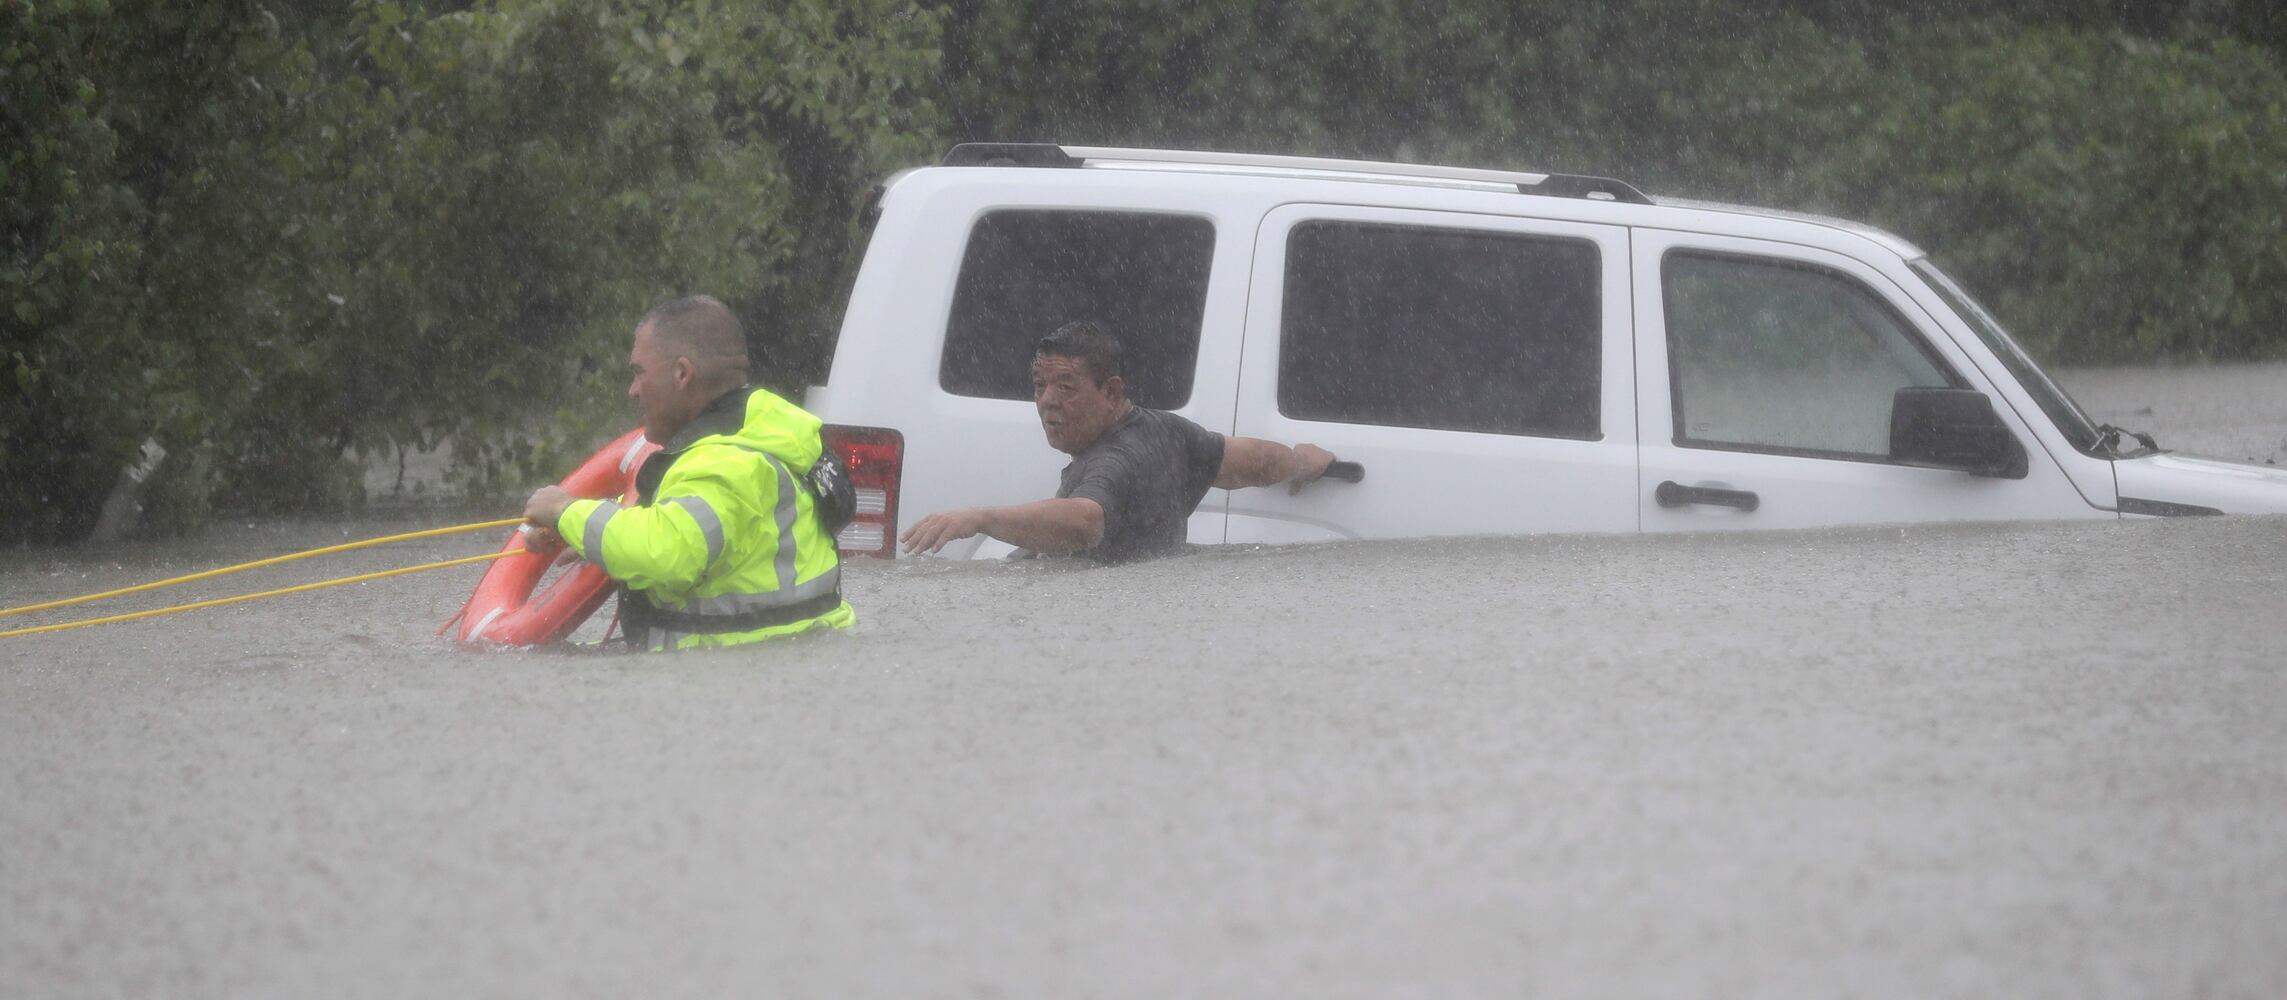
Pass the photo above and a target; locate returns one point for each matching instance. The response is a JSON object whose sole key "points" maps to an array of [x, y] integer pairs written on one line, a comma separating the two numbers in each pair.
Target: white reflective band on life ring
{"points": [[634, 448], [478, 631]]}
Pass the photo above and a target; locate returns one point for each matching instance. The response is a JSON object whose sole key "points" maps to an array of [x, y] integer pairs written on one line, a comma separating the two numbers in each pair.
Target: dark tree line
{"points": [[278, 239]]}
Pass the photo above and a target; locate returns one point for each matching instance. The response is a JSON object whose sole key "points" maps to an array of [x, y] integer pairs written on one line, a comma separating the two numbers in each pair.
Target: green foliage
{"points": [[2116, 198], [2108, 180], [277, 245], [90, 378], [521, 179]]}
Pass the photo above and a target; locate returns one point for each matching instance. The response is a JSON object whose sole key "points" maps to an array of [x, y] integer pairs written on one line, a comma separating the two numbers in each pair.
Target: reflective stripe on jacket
{"points": [[726, 546]]}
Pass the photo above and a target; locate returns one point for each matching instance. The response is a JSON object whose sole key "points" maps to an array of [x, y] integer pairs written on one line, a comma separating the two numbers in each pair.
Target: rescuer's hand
{"points": [[543, 541], [1310, 462], [547, 504], [931, 533]]}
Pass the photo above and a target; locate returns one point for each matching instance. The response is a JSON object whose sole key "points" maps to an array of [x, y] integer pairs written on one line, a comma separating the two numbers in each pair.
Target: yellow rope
{"points": [[273, 561], [218, 602]]}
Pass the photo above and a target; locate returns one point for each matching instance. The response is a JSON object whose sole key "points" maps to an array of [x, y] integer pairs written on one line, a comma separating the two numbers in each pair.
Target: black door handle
{"points": [[1674, 494], [1348, 472]]}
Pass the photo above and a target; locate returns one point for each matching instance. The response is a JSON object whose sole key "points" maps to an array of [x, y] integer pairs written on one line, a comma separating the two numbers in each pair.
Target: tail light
{"points": [[875, 457]]}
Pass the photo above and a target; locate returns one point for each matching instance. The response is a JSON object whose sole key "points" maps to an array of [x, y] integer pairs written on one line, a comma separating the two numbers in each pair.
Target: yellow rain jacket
{"points": [[726, 545]]}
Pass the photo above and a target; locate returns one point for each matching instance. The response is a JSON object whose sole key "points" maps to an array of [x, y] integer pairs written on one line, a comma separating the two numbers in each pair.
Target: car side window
{"points": [[1785, 357], [1142, 276], [1446, 329]]}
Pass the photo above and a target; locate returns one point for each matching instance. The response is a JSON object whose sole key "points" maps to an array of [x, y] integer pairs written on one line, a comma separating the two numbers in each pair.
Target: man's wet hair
{"points": [[1086, 341], [704, 329]]}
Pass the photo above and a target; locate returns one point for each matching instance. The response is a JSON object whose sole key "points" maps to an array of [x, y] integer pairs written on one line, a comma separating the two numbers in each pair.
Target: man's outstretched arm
{"points": [[1255, 462], [1065, 524]]}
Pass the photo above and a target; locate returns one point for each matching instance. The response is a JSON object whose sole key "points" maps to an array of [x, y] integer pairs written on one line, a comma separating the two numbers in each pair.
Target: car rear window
{"points": [[1447, 329], [1142, 276]]}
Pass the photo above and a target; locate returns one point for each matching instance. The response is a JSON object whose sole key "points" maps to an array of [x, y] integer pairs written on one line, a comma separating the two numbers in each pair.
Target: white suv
{"points": [[1498, 352]]}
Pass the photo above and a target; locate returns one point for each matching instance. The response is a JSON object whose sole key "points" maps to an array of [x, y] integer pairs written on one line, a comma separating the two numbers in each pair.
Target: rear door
{"points": [[1765, 377], [1149, 277], [1477, 367]]}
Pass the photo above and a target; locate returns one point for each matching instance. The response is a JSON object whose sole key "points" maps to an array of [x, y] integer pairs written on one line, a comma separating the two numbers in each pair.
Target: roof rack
{"points": [[1042, 154]]}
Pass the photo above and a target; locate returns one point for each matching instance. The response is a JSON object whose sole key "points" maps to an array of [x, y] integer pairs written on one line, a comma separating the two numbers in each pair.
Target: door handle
{"points": [[1674, 494], [1348, 472]]}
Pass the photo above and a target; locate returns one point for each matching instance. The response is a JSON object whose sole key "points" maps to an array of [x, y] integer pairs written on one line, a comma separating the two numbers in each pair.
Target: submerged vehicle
{"points": [[1499, 352]]}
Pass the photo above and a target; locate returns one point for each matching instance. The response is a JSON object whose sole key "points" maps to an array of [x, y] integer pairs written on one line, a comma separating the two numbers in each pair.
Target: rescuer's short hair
{"points": [[702, 328], [1089, 344]]}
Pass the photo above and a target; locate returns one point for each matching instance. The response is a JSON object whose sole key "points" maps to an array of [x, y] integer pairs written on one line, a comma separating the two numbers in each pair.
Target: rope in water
{"points": [[273, 561], [218, 602]]}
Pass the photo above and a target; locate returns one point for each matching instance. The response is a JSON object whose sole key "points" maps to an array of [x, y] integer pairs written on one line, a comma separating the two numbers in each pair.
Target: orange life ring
{"points": [[505, 612]]}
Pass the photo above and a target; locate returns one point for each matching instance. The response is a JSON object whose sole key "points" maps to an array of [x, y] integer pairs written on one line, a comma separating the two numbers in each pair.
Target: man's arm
{"points": [[1256, 462], [670, 543], [1064, 524]]}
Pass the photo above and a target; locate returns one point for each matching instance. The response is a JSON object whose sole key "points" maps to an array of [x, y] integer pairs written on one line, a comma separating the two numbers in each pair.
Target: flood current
{"points": [[2025, 760]]}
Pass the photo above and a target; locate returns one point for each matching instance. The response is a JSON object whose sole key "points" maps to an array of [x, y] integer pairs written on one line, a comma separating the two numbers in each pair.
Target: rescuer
{"points": [[730, 541]]}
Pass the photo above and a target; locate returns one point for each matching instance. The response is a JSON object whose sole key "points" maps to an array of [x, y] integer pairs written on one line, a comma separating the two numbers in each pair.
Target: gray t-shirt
{"points": [[1148, 473]]}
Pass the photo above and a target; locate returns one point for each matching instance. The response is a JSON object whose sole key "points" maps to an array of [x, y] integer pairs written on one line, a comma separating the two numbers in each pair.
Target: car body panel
{"points": [[2226, 487], [1419, 481], [1799, 491]]}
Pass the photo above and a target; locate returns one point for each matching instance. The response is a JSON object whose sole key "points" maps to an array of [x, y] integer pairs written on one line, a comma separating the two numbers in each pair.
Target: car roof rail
{"points": [[1043, 154], [1009, 154]]}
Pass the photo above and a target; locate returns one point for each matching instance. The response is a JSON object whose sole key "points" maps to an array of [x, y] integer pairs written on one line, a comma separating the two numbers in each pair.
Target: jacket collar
{"points": [[725, 414]]}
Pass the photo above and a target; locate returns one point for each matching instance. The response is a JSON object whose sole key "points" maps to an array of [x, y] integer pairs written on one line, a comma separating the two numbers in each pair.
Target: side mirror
{"points": [[1945, 428]]}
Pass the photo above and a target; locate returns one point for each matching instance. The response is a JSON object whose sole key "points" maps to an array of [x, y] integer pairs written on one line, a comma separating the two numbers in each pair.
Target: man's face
{"points": [[1074, 409], [661, 384]]}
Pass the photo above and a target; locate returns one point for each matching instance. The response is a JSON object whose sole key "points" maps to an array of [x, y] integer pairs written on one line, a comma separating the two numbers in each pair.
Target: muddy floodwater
{"points": [[1975, 760]]}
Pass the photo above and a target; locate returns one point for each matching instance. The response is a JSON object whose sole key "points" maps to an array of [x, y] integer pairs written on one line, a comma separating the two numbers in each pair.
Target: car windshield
{"points": [[2084, 434]]}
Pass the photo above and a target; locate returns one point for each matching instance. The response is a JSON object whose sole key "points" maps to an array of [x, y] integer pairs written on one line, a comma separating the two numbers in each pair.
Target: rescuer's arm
{"points": [[1064, 524], [670, 543], [1256, 462]]}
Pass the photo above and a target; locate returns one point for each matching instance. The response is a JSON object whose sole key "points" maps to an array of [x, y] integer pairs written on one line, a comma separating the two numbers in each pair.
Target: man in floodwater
{"points": [[727, 543], [1136, 473]]}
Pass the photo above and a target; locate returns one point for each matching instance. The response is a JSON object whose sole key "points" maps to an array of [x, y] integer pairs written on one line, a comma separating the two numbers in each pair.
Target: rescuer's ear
{"points": [[686, 372], [1116, 388]]}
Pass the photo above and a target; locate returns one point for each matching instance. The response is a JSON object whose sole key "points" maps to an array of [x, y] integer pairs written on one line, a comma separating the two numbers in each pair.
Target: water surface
{"points": [[1989, 760]]}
